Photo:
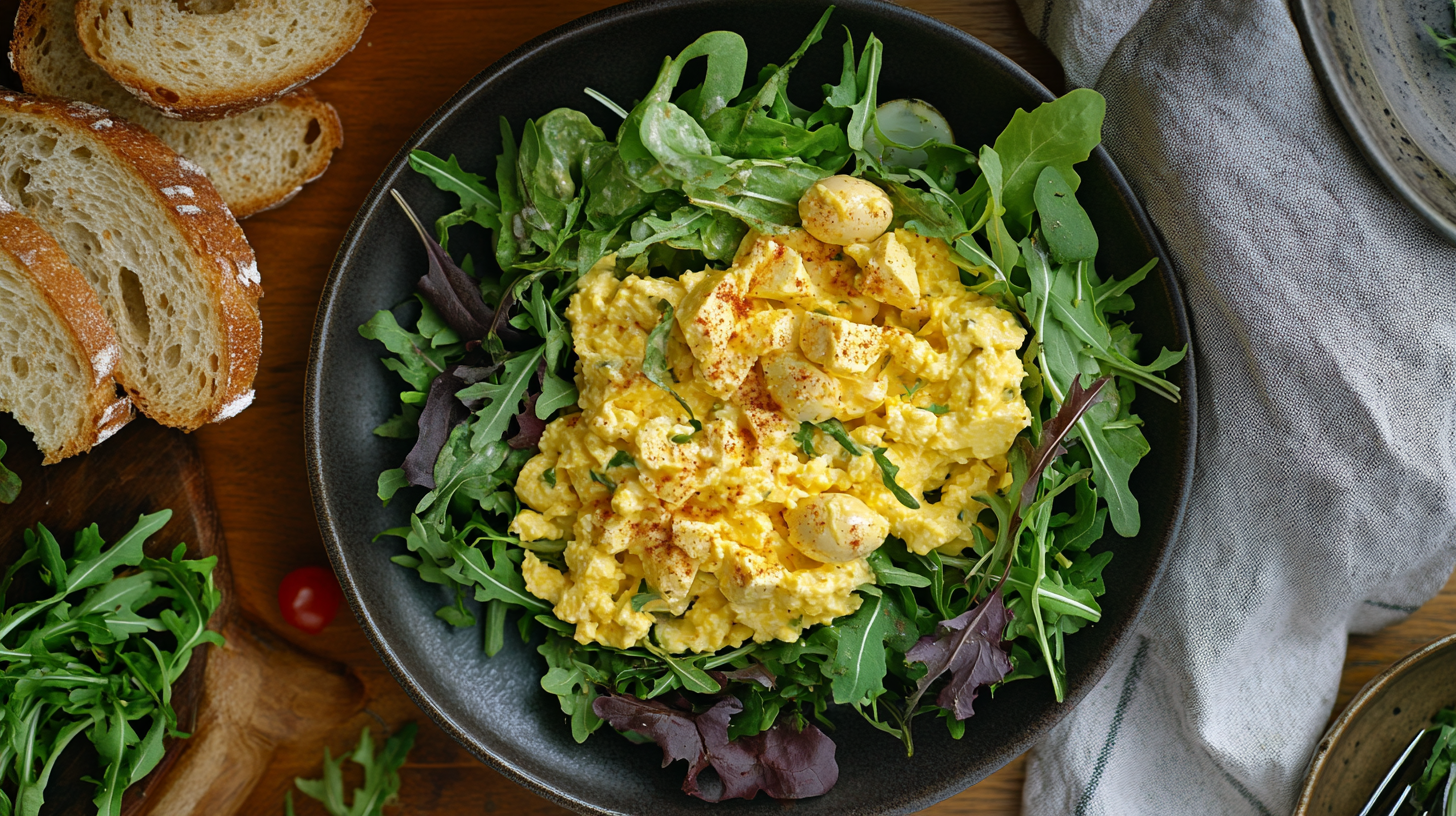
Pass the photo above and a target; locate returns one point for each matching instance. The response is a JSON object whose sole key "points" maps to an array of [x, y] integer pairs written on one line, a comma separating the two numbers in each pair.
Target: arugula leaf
{"points": [[86, 665], [888, 471], [1441, 765], [504, 398], [857, 673], [501, 581], [602, 480], [654, 362], [621, 459], [9, 482], [834, 429], [1057, 134], [936, 409], [477, 200], [804, 438], [381, 776], [1446, 44]]}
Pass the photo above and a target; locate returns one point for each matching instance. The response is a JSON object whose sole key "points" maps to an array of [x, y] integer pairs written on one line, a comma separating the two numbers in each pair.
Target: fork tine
{"points": [[1375, 798]]}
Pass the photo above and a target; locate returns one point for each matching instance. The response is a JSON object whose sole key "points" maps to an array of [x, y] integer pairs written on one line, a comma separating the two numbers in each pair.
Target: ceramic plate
{"points": [[495, 706], [1394, 91]]}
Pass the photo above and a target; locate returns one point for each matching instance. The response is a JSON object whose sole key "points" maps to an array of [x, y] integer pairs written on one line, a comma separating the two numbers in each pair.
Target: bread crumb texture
{"points": [[257, 160], [166, 274], [57, 350]]}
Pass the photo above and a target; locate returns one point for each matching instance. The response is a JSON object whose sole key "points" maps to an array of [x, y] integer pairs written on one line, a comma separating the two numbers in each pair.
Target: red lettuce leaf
{"points": [[442, 412], [754, 673], [969, 647], [783, 762], [1054, 430], [456, 296], [528, 426]]}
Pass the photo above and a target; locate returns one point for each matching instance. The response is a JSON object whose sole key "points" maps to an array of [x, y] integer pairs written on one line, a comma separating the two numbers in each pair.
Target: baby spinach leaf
{"points": [[888, 471], [601, 479], [1057, 134], [1068, 230]]}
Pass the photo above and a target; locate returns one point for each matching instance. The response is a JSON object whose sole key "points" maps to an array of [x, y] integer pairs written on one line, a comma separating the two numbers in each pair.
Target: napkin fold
{"points": [[1324, 319]]}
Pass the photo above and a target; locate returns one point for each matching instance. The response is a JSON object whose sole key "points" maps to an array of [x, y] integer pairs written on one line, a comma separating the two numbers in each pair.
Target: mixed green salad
{"points": [[486, 355]]}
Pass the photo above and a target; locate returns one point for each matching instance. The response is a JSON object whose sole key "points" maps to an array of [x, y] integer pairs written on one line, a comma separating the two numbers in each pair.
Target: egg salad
{"points": [[826, 367]]}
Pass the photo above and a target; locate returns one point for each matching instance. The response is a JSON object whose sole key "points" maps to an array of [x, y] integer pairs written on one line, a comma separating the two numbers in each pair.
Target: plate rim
{"points": [[1319, 50], [348, 247]]}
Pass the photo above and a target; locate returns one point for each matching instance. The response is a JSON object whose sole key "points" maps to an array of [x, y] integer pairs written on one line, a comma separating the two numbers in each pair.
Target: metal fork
{"points": [[1395, 788]]}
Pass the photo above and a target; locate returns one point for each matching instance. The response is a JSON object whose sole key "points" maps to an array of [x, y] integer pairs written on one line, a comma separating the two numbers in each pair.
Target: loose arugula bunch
{"points": [[689, 171], [96, 654], [381, 776]]}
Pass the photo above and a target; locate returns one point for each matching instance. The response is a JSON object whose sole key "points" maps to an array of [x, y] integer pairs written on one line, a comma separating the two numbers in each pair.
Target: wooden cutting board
{"points": [[245, 702]]}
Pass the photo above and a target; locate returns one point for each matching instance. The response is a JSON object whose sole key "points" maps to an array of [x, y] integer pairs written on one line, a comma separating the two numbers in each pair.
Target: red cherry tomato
{"points": [[309, 598]]}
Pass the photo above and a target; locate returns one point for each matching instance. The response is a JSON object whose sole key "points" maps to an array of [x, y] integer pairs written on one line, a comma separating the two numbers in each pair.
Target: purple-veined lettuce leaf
{"points": [[528, 426], [456, 296], [969, 647], [752, 673], [783, 762], [442, 412], [1054, 430]]}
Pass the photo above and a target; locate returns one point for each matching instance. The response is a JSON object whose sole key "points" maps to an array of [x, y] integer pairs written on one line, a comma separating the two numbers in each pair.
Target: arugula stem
{"points": [[1041, 638]]}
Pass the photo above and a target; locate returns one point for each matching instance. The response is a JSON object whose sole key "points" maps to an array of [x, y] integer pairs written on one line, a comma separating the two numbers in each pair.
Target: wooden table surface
{"points": [[412, 58]]}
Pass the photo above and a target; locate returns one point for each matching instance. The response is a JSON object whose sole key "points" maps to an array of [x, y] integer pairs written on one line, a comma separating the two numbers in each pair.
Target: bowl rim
{"points": [[314, 411], [1354, 709]]}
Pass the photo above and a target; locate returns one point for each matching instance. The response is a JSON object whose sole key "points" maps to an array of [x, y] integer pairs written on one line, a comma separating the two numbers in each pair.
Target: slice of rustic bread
{"points": [[205, 59], [256, 160], [57, 351], [169, 264]]}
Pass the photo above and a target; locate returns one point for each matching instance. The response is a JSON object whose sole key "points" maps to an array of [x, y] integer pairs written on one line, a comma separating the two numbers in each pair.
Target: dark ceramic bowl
{"points": [[495, 706]]}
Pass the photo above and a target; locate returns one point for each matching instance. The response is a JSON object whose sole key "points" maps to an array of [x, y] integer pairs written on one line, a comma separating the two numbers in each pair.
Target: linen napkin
{"points": [[1324, 502]]}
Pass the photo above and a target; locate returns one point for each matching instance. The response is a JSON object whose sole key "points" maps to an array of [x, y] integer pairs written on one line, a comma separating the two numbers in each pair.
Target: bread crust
{"points": [[34, 17], [331, 134], [71, 299], [220, 252], [203, 107]]}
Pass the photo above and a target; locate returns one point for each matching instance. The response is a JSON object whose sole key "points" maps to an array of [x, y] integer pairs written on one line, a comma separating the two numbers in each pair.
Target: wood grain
{"points": [[413, 57]]}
